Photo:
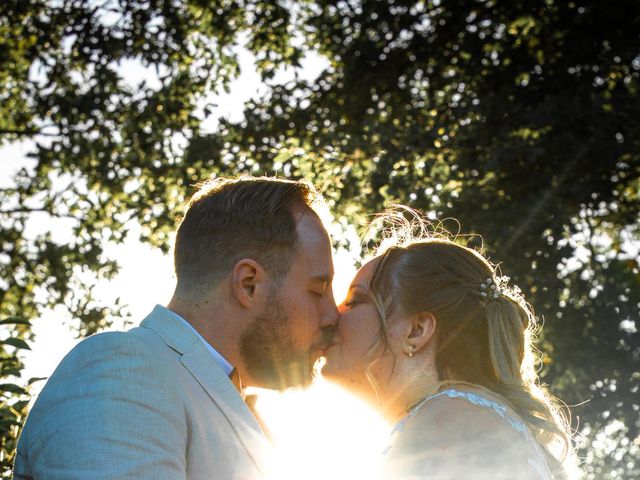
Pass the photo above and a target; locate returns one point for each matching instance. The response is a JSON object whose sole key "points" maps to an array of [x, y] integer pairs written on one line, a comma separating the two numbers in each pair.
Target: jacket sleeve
{"points": [[109, 411]]}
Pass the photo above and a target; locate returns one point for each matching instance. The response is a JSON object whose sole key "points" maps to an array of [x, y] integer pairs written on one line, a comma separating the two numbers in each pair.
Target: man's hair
{"points": [[231, 219]]}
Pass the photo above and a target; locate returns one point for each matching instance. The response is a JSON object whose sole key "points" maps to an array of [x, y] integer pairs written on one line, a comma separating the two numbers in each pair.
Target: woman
{"points": [[433, 337]]}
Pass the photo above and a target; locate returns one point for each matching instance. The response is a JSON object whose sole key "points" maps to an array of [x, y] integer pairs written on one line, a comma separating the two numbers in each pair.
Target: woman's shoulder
{"points": [[473, 409], [458, 431], [464, 415]]}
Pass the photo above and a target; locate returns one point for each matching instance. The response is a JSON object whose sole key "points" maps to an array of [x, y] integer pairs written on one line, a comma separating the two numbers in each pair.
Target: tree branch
{"points": [[25, 132], [37, 210]]}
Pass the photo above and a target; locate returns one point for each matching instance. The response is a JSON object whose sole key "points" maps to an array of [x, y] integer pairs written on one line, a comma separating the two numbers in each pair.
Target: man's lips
{"points": [[330, 340], [332, 344]]}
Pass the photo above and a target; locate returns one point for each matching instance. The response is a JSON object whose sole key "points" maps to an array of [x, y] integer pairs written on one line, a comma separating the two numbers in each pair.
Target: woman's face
{"points": [[357, 335]]}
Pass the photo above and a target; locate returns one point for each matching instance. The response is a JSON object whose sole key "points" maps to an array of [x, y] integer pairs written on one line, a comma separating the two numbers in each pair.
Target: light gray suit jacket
{"points": [[150, 403]]}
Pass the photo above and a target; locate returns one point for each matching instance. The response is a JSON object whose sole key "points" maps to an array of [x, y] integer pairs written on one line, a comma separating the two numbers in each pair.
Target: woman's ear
{"points": [[420, 331], [247, 282]]}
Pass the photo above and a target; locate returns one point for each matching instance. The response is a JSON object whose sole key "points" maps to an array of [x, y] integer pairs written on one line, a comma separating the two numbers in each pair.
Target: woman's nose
{"points": [[342, 307]]}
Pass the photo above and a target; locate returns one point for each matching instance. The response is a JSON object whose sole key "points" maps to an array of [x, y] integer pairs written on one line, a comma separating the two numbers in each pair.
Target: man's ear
{"points": [[420, 331], [247, 282]]}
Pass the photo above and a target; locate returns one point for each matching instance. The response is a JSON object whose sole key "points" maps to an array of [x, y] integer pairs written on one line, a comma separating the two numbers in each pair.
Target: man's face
{"points": [[282, 344]]}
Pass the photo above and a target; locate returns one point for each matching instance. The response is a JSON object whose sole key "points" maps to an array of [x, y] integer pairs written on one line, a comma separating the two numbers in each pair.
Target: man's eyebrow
{"points": [[323, 278]]}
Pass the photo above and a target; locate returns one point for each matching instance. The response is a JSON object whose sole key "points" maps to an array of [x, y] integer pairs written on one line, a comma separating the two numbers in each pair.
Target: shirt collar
{"points": [[226, 366]]}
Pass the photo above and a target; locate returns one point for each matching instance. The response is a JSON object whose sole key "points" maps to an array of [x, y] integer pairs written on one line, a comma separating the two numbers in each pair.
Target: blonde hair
{"points": [[482, 339]]}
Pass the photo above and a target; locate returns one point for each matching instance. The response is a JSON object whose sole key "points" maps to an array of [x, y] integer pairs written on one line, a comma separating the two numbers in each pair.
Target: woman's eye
{"points": [[352, 303]]}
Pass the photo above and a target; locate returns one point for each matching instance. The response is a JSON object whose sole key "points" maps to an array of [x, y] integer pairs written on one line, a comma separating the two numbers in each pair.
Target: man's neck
{"points": [[213, 322]]}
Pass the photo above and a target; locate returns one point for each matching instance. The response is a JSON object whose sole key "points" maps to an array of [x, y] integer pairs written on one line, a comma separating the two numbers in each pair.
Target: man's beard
{"points": [[270, 354]]}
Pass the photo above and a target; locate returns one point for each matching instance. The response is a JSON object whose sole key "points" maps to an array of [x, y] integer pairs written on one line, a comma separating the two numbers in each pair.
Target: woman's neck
{"points": [[406, 390]]}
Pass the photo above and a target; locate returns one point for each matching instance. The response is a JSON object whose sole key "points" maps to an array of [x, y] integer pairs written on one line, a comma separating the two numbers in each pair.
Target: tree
{"points": [[517, 118]]}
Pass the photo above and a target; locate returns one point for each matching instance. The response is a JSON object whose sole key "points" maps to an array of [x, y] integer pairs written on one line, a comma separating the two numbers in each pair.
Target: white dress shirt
{"points": [[226, 366]]}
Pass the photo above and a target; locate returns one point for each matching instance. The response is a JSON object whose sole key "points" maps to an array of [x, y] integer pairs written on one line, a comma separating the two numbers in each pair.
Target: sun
{"points": [[321, 433]]}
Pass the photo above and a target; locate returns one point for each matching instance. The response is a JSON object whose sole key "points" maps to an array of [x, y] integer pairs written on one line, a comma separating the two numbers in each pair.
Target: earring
{"points": [[411, 349]]}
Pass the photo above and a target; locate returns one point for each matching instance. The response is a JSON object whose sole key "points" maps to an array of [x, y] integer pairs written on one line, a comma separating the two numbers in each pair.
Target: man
{"points": [[253, 304]]}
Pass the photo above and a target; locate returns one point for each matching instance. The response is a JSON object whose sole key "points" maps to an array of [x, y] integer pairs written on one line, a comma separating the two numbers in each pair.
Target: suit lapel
{"points": [[210, 375]]}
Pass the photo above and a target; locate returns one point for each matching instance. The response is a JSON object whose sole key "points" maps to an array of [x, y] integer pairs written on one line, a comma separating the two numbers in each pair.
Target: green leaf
{"points": [[15, 321], [13, 388], [16, 342], [33, 380]]}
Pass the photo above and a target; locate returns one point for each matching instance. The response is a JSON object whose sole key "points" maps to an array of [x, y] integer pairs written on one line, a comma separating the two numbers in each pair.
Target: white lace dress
{"points": [[536, 460]]}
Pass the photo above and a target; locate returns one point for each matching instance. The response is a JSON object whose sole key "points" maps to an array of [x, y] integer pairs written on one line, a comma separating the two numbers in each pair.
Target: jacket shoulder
{"points": [[113, 394]]}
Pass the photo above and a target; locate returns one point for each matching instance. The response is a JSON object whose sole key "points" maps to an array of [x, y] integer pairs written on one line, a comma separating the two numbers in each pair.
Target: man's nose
{"points": [[330, 315]]}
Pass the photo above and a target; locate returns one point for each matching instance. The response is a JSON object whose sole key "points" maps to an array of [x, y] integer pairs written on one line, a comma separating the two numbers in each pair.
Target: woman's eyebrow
{"points": [[358, 286]]}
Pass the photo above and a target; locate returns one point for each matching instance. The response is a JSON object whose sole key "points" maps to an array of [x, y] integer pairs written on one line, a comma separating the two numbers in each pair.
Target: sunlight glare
{"points": [[324, 432], [321, 433]]}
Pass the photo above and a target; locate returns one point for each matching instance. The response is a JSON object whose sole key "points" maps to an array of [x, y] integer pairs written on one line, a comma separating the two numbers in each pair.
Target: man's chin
{"points": [[288, 377]]}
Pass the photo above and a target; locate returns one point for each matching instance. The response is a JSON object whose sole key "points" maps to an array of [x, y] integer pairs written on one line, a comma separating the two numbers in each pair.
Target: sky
{"points": [[323, 426]]}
